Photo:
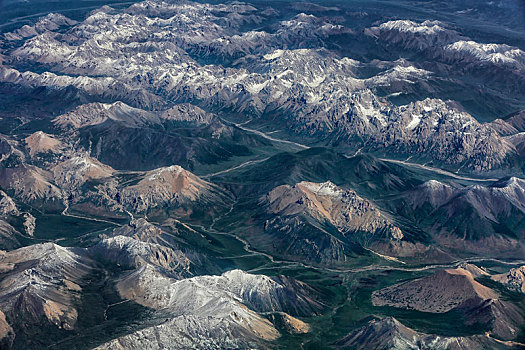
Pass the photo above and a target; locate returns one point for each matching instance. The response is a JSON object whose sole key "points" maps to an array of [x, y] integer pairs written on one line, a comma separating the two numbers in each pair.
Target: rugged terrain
{"points": [[211, 174]]}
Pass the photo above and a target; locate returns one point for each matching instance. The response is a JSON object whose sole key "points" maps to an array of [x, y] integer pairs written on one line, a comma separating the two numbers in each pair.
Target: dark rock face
{"points": [[475, 214]]}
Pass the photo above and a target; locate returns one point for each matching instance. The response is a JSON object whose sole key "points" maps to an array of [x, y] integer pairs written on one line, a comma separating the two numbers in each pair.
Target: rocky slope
{"points": [[389, 333], [326, 201], [469, 217], [427, 294], [478, 304], [458, 59], [164, 187], [183, 134], [72, 173], [208, 311], [439, 40], [414, 35], [29, 183], [8, 236], [141, 243], [196, 333], [42, 281], [50, 22], [40, 142]]}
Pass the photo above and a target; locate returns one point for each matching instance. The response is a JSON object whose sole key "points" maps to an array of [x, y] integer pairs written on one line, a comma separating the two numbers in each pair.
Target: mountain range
{"points": [[270, 175]]}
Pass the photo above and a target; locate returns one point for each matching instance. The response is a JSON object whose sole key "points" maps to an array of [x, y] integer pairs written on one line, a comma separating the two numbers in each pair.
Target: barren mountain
{"points": [[317, 93], [259, 175], [40, 142], [129, 252], [50, 22], [29, 183], [469, 217], [478, 304], [344, 209], [98, 113], [389, 333], [428, 295], [74, 172], [163, 187], [411, 34], [204, 308], [42, 282]]}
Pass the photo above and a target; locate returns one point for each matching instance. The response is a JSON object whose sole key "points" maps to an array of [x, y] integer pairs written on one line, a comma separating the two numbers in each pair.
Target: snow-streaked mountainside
{"points": [[413, 34], [144, 58], [180, 174], [432, 35]]}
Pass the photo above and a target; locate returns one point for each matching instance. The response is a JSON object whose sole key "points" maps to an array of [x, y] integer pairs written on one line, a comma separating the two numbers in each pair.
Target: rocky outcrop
{"points": [[8, 236], [7, 205], [513, 280], [187, 115]]}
